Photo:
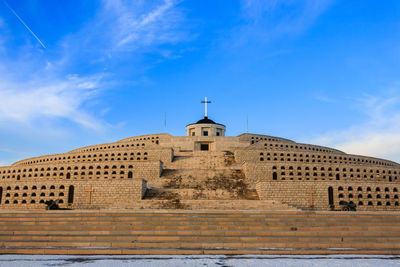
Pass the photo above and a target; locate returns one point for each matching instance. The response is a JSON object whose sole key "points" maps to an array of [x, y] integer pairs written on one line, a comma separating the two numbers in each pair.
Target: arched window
{"points": [[274, 176], [130, 174], [68, 175]]}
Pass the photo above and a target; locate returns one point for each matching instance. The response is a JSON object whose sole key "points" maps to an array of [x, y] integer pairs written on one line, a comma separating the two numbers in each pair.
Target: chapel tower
{"points": [[205, 126]]}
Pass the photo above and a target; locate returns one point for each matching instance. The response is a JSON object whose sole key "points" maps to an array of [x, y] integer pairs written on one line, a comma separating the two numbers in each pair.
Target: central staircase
{"points": [[198, 232], [208, 180]]}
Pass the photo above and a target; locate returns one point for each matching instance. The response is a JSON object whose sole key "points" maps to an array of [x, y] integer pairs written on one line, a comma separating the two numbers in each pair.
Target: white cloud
{"points": [[275, 18], [118, 26], [378, 136], [25, 102], [130, 25]]}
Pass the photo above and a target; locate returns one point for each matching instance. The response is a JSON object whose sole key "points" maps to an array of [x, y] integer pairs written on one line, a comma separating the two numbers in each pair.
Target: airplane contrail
{"points": [[26, 26]]}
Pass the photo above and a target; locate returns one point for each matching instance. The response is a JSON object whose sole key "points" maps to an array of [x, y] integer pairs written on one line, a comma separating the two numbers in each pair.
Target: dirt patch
{"points": [[234, 184], [173, 182], [229, 158], [173, 201]]}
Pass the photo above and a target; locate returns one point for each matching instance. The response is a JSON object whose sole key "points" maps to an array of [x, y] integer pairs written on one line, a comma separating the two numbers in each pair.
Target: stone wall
{"points": [[314, 194], [80, 170], [116, 154], [263, 171], [95, 194]]}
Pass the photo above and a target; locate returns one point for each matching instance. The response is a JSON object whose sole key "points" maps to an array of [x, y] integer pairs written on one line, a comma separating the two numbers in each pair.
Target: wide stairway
{"points": [[198, 232], [204, 180]]}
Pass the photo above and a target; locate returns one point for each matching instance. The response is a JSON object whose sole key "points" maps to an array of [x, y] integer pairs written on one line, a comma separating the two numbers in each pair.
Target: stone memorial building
{"points": [[203, 170]]}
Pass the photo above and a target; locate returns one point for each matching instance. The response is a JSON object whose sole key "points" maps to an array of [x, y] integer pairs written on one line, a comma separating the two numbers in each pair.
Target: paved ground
{"points": [[217, 260]]}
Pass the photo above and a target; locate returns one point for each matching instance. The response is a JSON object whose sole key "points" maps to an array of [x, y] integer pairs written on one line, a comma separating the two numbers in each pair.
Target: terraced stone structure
{"points": [[203, 170]]}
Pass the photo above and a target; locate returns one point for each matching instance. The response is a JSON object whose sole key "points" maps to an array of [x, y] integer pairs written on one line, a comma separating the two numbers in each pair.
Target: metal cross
{"points": [[205, 102]]}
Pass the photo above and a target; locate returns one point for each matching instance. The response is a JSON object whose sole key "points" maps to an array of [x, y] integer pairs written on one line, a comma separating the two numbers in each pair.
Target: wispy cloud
{"points": [[51, 92], [378, 136], [25, 102], [149, 28], [129, 26], [276, 18]]}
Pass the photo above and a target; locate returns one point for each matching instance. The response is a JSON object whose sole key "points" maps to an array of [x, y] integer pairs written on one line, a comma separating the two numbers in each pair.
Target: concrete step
{"points": [[202, 251], [198, 238], [198, 232], [198, 221], [197, 245]]}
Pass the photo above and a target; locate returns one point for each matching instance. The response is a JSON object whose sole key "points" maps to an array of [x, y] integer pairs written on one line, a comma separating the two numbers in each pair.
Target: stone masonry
{"points": [[201, 167]]}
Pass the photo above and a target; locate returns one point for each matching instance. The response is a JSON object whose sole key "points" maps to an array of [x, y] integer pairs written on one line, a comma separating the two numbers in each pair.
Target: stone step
{"points": [[376, 216], [189, 221], [129, 221], [249, 223], [394, 229], [198, 238], [205, 232], [205, 221], [197, 244], [202, 251], [348, 233]]}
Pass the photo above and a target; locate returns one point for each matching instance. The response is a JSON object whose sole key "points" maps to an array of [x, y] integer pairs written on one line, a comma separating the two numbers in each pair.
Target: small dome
{"points": [[206, 120]]}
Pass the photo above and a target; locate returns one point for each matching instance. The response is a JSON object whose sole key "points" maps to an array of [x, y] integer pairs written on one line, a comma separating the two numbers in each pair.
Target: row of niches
{"points": [[76, 174], [62, 168], [291, 175], [367, 189], [29, 201], [299, 147], [91, 157], [34, 194], [373, 203], [115, 146], [312, 157], [337, 169], [369, 196], [144, 138]]}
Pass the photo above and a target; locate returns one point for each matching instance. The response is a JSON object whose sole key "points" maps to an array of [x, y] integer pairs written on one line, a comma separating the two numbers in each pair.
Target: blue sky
{"points": [[78, 72]]}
